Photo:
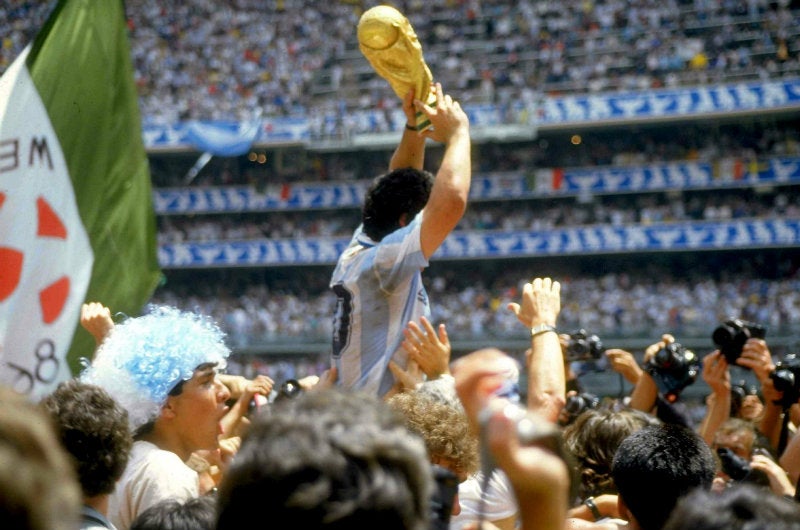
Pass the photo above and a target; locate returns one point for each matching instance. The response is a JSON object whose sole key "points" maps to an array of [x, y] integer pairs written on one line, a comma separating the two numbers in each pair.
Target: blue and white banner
{"points": [[551, 112], [687, 236], [233, 199], [515, 185], [610, 239], [263, 252], [670, 103]]}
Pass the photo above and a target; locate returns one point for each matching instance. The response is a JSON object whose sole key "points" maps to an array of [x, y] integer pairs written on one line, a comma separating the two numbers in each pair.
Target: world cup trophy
{"points": [[389, 43]]}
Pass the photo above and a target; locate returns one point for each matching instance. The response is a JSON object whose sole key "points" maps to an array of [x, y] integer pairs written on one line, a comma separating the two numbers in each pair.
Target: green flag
{"points": [[76, 214]]}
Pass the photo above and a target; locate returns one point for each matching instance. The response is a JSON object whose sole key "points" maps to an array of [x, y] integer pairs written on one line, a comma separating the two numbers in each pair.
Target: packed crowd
{"points": [[200, 60], [154, 435], [473, 305]]}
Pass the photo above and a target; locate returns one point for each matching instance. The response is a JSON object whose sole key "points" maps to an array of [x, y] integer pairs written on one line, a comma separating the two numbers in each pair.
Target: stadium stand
{"points": [[645, 153]]}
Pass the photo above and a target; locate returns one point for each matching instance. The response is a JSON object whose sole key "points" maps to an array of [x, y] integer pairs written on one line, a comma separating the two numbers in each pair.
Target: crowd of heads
{"points": [[333, 457]]}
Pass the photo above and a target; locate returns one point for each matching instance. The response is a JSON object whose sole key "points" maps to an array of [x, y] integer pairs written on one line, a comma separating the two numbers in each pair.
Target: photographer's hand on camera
{"points": [[624, 363], [645, 392], [716, 373], [779, 481], [757, 357], [651, 350], [235, 419]]}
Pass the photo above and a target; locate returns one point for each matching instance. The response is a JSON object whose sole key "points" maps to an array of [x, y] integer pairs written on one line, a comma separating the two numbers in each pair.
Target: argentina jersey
{"points": [[378, 288]]}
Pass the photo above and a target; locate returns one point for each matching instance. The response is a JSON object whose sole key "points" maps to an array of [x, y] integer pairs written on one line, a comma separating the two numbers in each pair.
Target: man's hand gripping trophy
{"points": [[389, 43]]}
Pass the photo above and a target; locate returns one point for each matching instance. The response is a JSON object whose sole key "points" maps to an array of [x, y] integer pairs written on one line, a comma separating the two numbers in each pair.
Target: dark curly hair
{"points": [[398, 192], [93, 428]]}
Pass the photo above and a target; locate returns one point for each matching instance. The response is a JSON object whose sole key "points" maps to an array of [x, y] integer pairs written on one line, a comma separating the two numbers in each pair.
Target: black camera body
{"points": [[673, 368], [738, 468], [289, 389], [786, 378], [583, 347], [731, 335], [443, 497], [739, 392], [578, 404]]}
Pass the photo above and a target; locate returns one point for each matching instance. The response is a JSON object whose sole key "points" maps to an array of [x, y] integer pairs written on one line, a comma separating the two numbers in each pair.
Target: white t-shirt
{"points": [[500, 502], [151, 476]]}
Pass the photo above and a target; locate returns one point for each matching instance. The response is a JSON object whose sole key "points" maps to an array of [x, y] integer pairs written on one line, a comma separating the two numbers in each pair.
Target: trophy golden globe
{"points": [[389, 43]]}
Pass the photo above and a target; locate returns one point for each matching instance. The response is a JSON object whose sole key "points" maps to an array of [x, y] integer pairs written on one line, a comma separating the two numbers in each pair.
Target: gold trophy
{"points": [[389, 43]]}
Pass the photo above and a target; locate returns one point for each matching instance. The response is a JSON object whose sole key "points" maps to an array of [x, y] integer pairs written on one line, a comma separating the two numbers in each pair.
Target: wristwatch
{"points": [[589, 503], [542, 328]]}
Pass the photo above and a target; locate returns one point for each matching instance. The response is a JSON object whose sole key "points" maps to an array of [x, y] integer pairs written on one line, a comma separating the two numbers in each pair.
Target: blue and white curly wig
{"points": [[145, 357]]}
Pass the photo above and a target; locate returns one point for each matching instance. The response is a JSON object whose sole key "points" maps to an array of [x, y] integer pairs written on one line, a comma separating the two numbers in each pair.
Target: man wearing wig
{"points": [[162, 367]]}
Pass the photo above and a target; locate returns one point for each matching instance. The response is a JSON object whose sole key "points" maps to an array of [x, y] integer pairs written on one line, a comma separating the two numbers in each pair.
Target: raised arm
{"points": [[410, 152], [539, 478], [96, 319], [718, 378], [541, 304], [448, 199]]}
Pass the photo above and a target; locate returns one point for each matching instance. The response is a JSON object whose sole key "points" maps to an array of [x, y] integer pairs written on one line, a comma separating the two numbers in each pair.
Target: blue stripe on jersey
{"points": [[384, 291]]}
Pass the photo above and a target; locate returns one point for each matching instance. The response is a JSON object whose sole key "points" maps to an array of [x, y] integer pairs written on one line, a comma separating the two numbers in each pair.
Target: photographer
{"points": [[742, 460], [720, 403], [647, 396], [582, 347]]}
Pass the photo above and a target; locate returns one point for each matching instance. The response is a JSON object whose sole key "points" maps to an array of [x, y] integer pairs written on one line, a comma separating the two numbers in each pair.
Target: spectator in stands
{"points": [[38, 486], [162, 368], [94, 430], [407, 214], [330, 458]]}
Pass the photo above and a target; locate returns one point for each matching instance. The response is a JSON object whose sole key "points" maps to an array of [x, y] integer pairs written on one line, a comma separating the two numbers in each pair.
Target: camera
{"points": [[443, 498], [739, 392], [731, 335], [583, 347], [673, 368], [576, 405], [289, 389], [786, 378], [738, 468]]}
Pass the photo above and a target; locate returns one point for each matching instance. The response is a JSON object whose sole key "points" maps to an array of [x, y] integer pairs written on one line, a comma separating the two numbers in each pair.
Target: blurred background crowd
{"points": [[203, 59]]}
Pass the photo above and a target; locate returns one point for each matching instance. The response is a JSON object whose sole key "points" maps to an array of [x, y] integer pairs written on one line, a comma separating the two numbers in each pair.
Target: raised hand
{"points": [[428, 347]]}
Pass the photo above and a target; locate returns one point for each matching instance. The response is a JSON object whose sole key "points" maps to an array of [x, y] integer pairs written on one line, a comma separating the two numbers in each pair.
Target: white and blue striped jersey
{"points": [[378, 287]]}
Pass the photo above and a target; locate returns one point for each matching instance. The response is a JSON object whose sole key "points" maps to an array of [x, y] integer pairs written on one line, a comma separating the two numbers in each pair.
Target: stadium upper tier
{"points": [[247, 59]]}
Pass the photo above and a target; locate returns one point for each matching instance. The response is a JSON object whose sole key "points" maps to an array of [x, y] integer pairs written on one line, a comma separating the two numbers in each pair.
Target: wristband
{"points": [[411, 127], [542, 328], [589, 503]]}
